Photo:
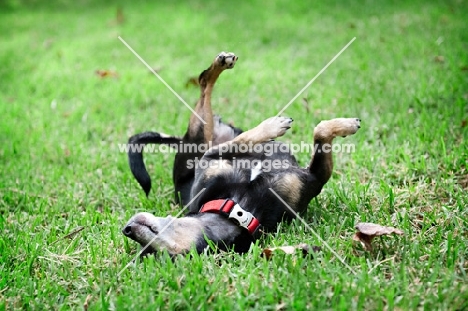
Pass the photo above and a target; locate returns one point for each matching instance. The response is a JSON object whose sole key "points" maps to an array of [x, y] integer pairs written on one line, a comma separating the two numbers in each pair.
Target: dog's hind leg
{"points": [[321, 165], [201, 127], [198, 131]]}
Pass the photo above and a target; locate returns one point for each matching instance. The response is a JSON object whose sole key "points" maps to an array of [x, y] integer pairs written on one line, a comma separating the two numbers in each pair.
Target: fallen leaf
{"points": [[464, 123], [365, 240], [367, 231], [439, 59], [306, 250], [191, 81], [102, 73], [119, 18], [374, 229]]}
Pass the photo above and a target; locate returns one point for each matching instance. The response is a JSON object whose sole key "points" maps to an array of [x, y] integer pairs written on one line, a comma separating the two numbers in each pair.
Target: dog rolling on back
{"points": [[232, 195]]}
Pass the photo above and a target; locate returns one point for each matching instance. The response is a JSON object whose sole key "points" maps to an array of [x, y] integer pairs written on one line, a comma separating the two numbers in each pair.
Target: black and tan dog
{"points": [[232, 197]]}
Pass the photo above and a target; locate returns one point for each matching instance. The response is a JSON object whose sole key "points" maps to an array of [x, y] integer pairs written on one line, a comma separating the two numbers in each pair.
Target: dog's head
{"points": [[144, 228], [180, 235], [174, 235]]}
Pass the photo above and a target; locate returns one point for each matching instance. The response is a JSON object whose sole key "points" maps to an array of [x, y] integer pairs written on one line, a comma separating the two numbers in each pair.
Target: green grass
{"points": [[405, 76]]}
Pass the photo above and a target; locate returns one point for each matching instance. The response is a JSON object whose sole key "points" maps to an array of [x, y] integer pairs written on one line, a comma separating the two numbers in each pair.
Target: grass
{"points": [[405, 76]]}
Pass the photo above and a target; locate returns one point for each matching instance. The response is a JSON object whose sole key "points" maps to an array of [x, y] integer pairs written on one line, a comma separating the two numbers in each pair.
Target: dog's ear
{"points": [[136, 144]]}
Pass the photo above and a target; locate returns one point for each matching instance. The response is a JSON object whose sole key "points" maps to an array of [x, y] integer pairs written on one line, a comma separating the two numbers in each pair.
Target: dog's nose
{"points": [[127, 231]]}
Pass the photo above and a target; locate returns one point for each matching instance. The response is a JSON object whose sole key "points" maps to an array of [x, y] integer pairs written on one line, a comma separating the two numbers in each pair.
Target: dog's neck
{"points": [[229, 209]]}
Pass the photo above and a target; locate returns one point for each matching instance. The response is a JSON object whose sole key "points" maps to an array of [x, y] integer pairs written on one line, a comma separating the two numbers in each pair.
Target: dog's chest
{"points": [[213, 168]]}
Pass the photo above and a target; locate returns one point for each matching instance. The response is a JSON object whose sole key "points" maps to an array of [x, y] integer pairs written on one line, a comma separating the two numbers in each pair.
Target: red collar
{"points": [[234, 212]]}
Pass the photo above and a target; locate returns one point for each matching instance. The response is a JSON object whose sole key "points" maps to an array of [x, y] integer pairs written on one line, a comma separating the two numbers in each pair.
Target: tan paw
{"points": [[347, 126], [225, 60], [338, 127], [275, 126]]}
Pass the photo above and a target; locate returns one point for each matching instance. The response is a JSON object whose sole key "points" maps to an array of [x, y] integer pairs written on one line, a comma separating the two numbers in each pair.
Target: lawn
{"points": [[66, 190]]}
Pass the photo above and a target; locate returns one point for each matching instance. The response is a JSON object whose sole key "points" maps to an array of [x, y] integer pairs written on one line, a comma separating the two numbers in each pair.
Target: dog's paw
{"points": [[338, 127], [347, 126], [225, 60], [276, 126]]}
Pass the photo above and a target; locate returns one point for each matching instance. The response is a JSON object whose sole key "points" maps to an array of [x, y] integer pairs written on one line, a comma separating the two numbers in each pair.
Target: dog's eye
{"points": [[154, 229]]}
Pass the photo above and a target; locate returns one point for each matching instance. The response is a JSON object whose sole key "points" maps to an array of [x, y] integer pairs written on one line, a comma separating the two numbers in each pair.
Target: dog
{"points": [[231, 198]]}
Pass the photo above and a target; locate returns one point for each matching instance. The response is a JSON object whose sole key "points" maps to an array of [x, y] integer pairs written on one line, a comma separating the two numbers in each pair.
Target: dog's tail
{"points": [[135, 154]]}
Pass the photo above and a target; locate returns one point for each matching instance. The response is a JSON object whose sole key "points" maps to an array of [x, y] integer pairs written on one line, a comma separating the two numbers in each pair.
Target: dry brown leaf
{"points": [[192, 81], [439, 59], [103, 73], [375, 229], [306, 249], [368, 231], [119, 16], [365, 240]]}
